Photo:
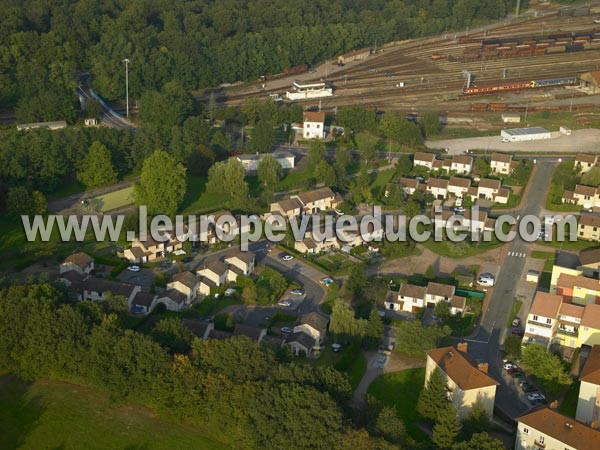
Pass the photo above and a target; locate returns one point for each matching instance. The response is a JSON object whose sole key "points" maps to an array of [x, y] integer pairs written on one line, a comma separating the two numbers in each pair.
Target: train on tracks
{"points": [[497, 88]]}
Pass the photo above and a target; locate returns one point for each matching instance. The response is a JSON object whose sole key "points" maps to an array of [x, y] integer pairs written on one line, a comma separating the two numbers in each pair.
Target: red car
{"points": [[514, 369], [518, 332]]}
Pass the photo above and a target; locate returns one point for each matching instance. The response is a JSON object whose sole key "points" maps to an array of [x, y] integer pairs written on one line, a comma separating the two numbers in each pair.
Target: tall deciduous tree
{"points": [[316, 153], [263, 137], [269, 172], [97, 169], [20, 201], [227, 178], [357, 279], [162, 184], [430, 121]]}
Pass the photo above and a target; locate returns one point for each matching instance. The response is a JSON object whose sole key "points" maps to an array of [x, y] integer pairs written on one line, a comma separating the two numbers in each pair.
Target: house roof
{"points": [[439, 289], [309, 243], [197, 327], [438, 164], [585, 158], [314, 116], [215, 266], [571, 310], [581, 189], [80, 259], [301, 338], [253, 333], [437, 183], [562, 428], [425, 157], [289, 204], [503, 192], [567, 195], [143, 299], [458, 367], [188, 279], [489, 183], [568, 281], [411, 183], [591, 256], [462, 159], [392, 297], [413, 291], [545, 305], [317, 194], [594, 74], [246, 256], [458, 302], [591, 316], [589, 220], [176, 296], [480, 216], [104, 285], [501, 158], [460, 182], [591, 370], [315, 320]]}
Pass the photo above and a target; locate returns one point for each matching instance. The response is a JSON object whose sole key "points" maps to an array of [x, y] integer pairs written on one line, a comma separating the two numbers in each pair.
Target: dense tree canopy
{"points": [[97, 168]]}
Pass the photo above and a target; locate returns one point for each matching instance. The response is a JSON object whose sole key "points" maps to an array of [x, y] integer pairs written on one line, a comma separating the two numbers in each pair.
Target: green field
{"points": [[55, 415], [401, 390], [113, 200]]}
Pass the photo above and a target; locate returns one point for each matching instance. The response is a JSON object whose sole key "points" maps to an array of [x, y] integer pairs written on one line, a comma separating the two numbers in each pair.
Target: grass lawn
{"points": [[464, 249], [197, 200], [66, 189], [113, 200], [348, 360], [50, 414], [514, 310], [401, 390], [380, 180], [572, 246]]}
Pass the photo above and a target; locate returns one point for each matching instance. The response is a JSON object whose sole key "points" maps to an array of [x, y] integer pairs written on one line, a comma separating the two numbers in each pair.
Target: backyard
{"points": [[401, 390], [113, 200]]}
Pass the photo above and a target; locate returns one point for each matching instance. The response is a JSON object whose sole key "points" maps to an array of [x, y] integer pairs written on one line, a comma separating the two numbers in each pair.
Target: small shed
{"points": [[511, 117], [533, 276]]}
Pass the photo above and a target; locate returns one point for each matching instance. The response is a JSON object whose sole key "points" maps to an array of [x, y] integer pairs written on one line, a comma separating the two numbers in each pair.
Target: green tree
{"points": [[477, 421], [546, 367], [357, 279], [96, 169], [481, 167], [343, 159], [413, 339], [325, 173], [480, 441], [316, 153], [269, 172], [430, 273], [263, 137], [395, 195], [200, 160], [356, 118], [404, 166], [165, 109], [19, 201], [389, 425], [412, 209], [512, 346], [343, 324], [430, 121], [446, 428], [172, 334], [395, 127], [367, 145], [228, 177], [433, 397], [591, 177], [374, 329], [162, 184], [442, 309]]}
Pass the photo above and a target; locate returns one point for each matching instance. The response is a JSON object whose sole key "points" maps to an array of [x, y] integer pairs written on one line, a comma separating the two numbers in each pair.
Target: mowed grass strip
{"points": [[115, 200], [50, 414]]}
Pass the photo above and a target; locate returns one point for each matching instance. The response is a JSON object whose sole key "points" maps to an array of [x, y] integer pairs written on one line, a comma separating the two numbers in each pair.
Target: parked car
{"points": [[535, 396], [528, 388], [508, 366], [539, 401], [287, 330], [459, 210], [286, 257], [514, 369], [516, 322], [518, 332], [336, 347], [285, 303], [517, 374], [486, 279], [134, 268], [297, 292], [187, 259]]}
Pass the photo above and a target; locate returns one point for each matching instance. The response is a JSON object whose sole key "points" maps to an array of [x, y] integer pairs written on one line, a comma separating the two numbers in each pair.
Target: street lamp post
{"points": [[126, 61]]}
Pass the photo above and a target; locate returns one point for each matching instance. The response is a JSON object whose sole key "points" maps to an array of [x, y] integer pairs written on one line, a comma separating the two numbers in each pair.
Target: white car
{"points": [[286, 303], [287, 257], [297, 292], [336, 347], [287, 330], [486, 279], [535, 396], [508, 366], [134, 268]]}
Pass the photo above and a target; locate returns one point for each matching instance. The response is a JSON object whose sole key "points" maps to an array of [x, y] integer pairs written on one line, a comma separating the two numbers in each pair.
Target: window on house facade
{"points": [[526, 430], [548, 321], [535, 318]]}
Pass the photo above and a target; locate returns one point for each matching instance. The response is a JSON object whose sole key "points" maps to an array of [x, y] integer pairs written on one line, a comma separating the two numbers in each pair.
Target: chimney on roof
{"points": [[462, 346], [483, 367], [553, 405]]}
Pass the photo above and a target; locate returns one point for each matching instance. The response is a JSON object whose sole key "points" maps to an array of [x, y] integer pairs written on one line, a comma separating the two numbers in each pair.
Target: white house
{"points": [[314, 125], [424, 159], [458, 186], [241, 263], [82, 263], [214, 274], [250, 162], [438, 187], [588, 402], [541, 320], [412, 297], [461, 164], [501, 163], [314, 325], [437, 292]]}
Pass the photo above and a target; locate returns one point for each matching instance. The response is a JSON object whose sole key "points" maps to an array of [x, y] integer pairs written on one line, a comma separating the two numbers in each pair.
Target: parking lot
{"points": [[143, 278]]}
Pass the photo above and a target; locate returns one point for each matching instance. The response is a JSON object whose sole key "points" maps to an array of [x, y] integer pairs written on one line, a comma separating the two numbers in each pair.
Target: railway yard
{"points": [[431, 72]]}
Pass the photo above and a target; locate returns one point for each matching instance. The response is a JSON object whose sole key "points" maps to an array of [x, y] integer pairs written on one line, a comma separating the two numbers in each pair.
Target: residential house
{"points": [[458, 305], [438, 187], [475, 220], [255, 333], [322, 199], [187, 283], [199, 328], [568, 323], [312, 244], [314, 125], [578, 289], [588, 227], [409, 185], [589, 263], [151, 249], [214, 274], [82, 263], [442, 165], [461, 164], [412, 297], [467, 382], [301, 343], [501, 163], [588, 401], [392, 301], [458, 186], [241, 263], [143, 303], [424, 159], [542, 318], [97, 289], [488, 188], [584, 196], [584, 162], [547, 429], [589, 331], [437, 292], [314, 325], [250, 162], [287, 208]]}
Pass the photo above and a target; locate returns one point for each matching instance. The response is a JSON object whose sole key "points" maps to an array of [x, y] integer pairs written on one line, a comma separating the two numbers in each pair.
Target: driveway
{"points": [[143, 278]]}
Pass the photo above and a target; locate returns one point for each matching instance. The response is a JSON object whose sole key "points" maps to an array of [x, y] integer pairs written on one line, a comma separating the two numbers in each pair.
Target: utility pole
{"points": [[518, 8], [126, 61]]}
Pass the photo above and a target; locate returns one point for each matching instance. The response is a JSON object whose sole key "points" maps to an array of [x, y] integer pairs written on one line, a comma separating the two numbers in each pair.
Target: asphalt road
{"points": [[486, 344]]}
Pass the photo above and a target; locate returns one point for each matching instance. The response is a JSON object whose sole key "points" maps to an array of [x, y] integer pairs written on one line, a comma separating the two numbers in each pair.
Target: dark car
{"points": [[517, 332], [187, 259], [517, 374]]}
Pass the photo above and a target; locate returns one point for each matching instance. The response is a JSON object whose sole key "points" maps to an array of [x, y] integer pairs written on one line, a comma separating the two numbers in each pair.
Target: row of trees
{"points": [[245, 394]]}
